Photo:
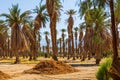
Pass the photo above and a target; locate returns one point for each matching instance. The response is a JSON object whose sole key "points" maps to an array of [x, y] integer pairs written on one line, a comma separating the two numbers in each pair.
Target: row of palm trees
{"points": [[24, 30], [96, 40]]}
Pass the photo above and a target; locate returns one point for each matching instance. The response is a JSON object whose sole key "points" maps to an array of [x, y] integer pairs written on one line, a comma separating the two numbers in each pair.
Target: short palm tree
{"points": [[15, 19]]}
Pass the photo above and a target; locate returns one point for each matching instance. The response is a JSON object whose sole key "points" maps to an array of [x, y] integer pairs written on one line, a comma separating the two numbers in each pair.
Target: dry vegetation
{"points": [[4, 76], [51, 67]]}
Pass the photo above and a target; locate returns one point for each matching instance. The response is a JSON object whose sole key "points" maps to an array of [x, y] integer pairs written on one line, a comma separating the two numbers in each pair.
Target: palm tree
{"points": [[3, 38], [15, 20], [81, 39], [60, 46], [39, 39], [95, 25], [70, 20], [40, 21], [76, 36], [115, 63], [53, 7], [63, 40], [47, 41], [117, 19], [28, 30]]}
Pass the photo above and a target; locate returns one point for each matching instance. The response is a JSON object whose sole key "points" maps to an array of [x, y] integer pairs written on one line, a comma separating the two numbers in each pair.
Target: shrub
{"points": [[102, 73]]}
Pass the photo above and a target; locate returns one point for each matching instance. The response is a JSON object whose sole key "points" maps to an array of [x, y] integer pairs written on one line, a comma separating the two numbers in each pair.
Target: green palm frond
{"points": [[76, 28], [46, 33], [63, 30], [42, 16], [70, 12]]}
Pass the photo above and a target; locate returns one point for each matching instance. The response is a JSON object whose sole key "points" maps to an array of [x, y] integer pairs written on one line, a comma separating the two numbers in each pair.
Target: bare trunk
{"points": [[73, 53], [53, 37], [115, 70], [63, 47], [35, 50], [60, 48], [17, 60]]}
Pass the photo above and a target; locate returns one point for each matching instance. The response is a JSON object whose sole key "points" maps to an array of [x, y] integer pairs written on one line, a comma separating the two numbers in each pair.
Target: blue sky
{"points": [[30, 4]]}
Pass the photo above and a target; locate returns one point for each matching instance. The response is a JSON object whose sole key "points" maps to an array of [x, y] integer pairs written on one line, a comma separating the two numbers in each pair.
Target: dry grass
{"points": [[4, 76], [51, 67]]}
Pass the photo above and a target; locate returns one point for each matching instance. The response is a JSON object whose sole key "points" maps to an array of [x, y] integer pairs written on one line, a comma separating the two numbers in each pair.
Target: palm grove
{"points": [[94, 37]]}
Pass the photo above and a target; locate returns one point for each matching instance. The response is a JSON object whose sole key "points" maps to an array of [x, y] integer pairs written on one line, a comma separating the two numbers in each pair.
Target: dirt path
{"points": [[86, 73]]}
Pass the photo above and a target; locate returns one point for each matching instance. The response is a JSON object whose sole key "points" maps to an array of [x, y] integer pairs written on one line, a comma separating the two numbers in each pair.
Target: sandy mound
{"points": [[3, 76], [51, 67]]}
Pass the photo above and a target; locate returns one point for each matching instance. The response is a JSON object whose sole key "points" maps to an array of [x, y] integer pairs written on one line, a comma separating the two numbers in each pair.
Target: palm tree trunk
{"points": [[73, 53], [63, 48], [115, 70], [114, 41], [53, 36], [34, 54], [69, 46], [17, 60], [76, 48], [60, 48]]}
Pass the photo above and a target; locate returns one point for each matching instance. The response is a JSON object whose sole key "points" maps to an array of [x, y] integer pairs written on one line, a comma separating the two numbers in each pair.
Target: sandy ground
{"points": [[15, 70]]}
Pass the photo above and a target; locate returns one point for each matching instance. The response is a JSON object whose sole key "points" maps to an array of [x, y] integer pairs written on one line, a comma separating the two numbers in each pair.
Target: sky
{"points": [[30, 4]]}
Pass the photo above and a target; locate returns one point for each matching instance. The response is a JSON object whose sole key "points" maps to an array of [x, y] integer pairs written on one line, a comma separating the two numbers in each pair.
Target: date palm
{"points": [[3, 38], [63, 40], [76, 38], [115, 63], [60, 46], [53, 7], [70, 21], [47, 41], [95, 25], [15, 20], [117, 19], [80, 49], [39, 22]]}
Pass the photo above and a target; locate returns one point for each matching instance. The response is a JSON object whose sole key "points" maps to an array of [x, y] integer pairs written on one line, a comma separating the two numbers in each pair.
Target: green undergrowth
{"points": [[102, 73]]}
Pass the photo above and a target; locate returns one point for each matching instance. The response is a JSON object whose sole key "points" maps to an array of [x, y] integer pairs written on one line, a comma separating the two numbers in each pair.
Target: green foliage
{"points": [[102, 73]]}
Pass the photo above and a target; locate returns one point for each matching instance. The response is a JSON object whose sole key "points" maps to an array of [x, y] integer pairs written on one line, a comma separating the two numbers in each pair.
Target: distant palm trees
{"points": [[63, 41], [76, 38], [47, 41]]}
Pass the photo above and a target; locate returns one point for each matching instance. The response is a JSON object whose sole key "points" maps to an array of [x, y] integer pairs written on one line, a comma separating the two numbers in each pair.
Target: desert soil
{"points": [[15, 70]]}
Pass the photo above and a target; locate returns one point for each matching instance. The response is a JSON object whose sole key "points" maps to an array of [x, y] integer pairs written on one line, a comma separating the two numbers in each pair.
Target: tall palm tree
{"points": [[28, 30], [63, 40], [15, 20], [70, 20], [81, 39], [39, 22], [39, 39], [117, 19], [60, 46], [115, 63], [76, 38], [3, 38], [47, 41], [53, 7], [95, 23]]}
